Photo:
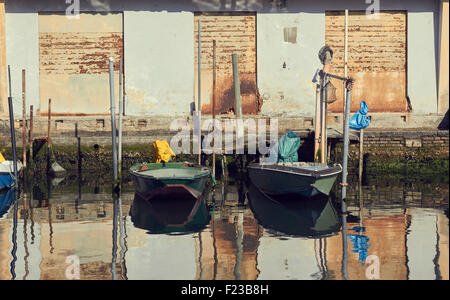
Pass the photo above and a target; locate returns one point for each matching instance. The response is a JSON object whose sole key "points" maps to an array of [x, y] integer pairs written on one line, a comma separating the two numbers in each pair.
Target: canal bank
{"points": [[405, 151]]}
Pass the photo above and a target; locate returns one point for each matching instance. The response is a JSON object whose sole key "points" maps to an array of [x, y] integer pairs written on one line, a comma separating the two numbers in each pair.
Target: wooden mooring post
{"points": [[24, 121], [13, 132], [30, 133], [214, 107]]}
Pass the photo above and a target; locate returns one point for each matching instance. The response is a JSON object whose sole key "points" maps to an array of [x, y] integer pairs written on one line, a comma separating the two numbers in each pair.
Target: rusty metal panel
{"points": [[376, 58], [233, 33], [73, 61]]}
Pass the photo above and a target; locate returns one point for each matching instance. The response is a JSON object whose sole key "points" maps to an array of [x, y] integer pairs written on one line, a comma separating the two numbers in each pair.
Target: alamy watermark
{"points": [[373, 10], [73, 10], [73, 270], [373, 270], [227, 137]]}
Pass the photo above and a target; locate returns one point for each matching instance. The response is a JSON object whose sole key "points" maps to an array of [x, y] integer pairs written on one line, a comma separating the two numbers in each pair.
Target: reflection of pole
{"points": [[14, 238], [123, 247], [239, 240], [30, 135], [114, 240]]}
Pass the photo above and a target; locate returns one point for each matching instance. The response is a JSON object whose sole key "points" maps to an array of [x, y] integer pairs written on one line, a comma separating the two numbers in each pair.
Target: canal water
{"points": [[394, 227]]}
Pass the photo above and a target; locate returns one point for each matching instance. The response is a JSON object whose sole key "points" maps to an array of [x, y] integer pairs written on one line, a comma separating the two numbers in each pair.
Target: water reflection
{"points": [[179, 213], [231, 233], [295, 215]]}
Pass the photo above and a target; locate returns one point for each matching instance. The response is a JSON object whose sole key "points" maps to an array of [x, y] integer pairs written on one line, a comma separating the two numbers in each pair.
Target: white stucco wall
{"points": [[159, 58], [22, 52]]}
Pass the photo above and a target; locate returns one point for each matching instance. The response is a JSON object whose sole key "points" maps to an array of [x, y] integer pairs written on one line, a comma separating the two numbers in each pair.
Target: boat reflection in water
{"points": [[6, 199], [177, 213], [294, 215]]}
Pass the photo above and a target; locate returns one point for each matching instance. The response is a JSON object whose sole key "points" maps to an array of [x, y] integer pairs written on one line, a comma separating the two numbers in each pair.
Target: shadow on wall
{"points": [[444, 125]]}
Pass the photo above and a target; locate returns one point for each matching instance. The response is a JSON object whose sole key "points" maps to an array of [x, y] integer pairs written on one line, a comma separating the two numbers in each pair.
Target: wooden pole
{"points": [[214, 107], [49, 143], [322, 121], [345, 61], [30, 134], [24, 121], [237, 87]]}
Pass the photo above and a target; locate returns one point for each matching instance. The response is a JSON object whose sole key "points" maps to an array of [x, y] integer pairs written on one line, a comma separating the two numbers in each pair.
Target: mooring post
{"points": [[13, 132], [49, 143], [24, 122], [199, 101], [322, 121], [120, 120], [237, 87], [113, 118], [30, 133], [214, 108], [346, 138]]}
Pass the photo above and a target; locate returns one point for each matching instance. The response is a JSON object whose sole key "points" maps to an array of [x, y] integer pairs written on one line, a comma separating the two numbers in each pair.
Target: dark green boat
{"points": [[302, 178], [151, 179]]}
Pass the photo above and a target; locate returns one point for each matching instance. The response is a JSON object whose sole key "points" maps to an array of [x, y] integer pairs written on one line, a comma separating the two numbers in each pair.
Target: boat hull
{"points": [[279, 179], [151, 186]]}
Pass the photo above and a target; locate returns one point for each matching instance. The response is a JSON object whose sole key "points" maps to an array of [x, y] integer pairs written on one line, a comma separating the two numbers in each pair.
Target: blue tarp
{"points": [[360, 120], [288, 146]]}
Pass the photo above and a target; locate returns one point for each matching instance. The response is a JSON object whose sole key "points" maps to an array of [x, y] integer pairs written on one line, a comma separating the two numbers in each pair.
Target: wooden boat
{"points": [[302, 178], [176, 213], [7, 179], [151, 179], [295, 215]]}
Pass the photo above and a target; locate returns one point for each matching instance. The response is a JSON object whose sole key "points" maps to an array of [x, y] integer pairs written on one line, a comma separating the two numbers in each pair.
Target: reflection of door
{"points": [[376, 58], [73, 61], [234, 33]]}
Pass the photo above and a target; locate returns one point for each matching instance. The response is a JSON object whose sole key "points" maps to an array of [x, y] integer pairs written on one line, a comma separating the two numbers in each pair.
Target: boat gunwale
{"points": [[203, 172], [335, 169]]}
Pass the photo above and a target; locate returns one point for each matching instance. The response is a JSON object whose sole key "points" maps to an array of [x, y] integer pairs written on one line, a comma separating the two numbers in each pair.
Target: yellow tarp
{"points": [[162, 151], [2, 159]]}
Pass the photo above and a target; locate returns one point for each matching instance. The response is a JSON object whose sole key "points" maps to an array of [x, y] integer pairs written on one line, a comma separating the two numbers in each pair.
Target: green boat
{"points": [[303, 178], [151, 179]]}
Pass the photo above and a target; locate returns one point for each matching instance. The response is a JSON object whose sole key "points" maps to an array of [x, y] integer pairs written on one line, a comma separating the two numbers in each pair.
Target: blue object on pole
{"points": [[288, 146], [360, 245], [360, 120]]}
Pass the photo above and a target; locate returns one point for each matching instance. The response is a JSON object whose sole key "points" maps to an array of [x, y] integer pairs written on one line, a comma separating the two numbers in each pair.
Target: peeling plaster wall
{"points": [[159, 61]]}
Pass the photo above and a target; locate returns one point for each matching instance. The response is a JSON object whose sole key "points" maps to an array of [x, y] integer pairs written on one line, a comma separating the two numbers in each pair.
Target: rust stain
{"points": [[233, 33], [225, 99]]}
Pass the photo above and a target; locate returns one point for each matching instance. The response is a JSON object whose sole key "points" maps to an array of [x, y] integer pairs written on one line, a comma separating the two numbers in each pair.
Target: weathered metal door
{"points": [[376, 58], [73, 62], [234, 33]]}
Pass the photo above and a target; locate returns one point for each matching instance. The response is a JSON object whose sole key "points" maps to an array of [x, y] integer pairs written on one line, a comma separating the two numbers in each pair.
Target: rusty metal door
{"points": [[73, 62], [376, 58], [234, 33]]}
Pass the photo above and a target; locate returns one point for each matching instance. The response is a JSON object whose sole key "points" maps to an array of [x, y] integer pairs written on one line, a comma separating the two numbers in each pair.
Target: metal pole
{"points": [[237, 87], [214, 108], [199, 100], [361, 152], [113, 117], [345, 58], [346, 139], [317, 124], [322, 122], [120, 120], [24, 121], [11, 123]]}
